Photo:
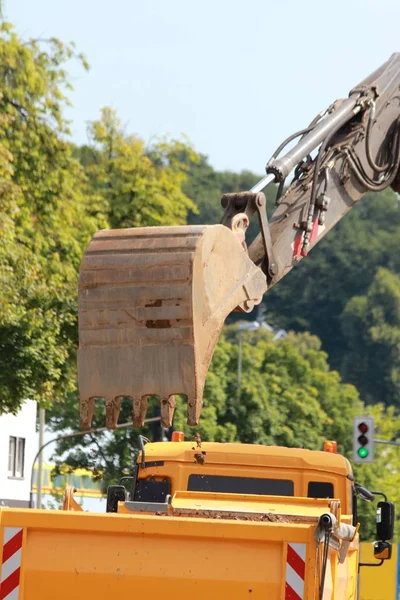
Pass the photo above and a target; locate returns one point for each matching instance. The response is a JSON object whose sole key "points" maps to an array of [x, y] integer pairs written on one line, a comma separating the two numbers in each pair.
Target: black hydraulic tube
{"points": [[325, 522]]}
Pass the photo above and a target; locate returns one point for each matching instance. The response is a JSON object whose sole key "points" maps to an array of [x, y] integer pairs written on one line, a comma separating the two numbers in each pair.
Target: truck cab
{"points": [[164, 468]]}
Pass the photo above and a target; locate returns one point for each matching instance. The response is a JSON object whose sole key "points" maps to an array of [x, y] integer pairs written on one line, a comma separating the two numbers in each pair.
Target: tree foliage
{"points": [[371, 326], [47, 215], [51, 203], [314, 296], [140, 186]]}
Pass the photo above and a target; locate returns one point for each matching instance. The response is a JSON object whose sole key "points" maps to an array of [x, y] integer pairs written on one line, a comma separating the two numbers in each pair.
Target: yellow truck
{"points": [[200, 520]]}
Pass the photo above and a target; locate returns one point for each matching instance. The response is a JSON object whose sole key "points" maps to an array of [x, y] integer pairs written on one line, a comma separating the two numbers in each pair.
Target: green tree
{"points": [[371, 326], [289, 395], [140, 186], [47, 215], [313, 296]]}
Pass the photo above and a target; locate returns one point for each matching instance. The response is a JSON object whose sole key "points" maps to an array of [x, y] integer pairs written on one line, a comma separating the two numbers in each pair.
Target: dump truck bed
{"points": [[56, 554]]}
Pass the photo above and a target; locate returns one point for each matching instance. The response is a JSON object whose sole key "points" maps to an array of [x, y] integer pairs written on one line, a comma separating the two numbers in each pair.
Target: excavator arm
{"points": [[153, 301]]}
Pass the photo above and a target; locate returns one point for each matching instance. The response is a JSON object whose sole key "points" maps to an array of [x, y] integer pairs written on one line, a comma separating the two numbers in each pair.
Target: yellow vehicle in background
{"points": [[200, 520], [54, 484]]}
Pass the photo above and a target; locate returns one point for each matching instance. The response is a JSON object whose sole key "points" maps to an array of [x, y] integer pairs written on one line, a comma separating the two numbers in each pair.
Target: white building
{"points": [[18, 446]]}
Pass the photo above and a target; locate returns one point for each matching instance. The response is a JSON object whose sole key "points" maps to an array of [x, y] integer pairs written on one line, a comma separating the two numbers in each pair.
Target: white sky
{"points": [[235, 76]]}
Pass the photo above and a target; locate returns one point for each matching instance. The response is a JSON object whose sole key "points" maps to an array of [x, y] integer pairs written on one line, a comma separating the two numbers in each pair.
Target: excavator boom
{"points": [[153, 301]]}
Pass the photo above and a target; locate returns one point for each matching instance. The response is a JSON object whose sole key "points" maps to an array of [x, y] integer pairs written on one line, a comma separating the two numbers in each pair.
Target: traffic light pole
{"points": [[387, 442]]}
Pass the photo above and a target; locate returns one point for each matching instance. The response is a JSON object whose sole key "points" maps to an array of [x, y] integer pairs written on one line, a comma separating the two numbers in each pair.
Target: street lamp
{"points": [[70, 435]]}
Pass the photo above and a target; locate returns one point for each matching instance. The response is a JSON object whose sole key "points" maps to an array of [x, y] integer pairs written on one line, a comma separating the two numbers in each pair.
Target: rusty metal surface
{"points": [[152, 303]]}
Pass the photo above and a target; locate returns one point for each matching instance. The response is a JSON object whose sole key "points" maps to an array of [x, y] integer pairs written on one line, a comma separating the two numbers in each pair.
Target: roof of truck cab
{"points": [[248, 454]]}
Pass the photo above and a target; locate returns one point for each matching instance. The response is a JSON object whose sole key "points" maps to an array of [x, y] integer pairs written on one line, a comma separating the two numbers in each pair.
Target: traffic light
{"points": [[363, 439]]}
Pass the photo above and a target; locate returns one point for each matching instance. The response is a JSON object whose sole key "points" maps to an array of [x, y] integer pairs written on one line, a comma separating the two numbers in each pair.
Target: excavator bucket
{"points": [[152, 303]]}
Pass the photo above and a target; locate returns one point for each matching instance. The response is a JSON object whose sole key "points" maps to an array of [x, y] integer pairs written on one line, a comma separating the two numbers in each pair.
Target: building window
{"points": [[16, 457]]}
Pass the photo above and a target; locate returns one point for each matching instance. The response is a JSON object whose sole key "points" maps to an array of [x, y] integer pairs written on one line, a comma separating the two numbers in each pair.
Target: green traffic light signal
{"points": [[363, 439], [363, 452]]}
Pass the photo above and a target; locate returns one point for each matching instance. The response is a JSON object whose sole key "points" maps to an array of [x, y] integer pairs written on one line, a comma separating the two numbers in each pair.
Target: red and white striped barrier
{"points": [[295, 571], [11, 563]]}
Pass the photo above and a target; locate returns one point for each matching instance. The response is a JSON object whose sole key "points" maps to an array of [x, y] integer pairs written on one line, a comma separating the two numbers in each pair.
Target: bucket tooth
{"points": [[113, 406], [194, 411], [152, 304], [87, 410], [167, 408], [139, 411]]}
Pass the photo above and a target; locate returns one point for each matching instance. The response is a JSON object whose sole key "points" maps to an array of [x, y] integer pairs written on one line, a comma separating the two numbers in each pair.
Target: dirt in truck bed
{"points": [[233, 516], [236, 516], [199, 456]]}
